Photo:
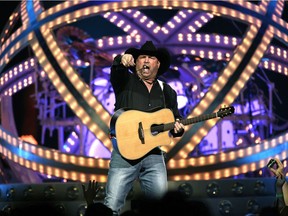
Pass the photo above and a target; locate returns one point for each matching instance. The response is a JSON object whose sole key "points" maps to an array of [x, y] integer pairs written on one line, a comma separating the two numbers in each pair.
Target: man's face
{"points": [[147, 67]]}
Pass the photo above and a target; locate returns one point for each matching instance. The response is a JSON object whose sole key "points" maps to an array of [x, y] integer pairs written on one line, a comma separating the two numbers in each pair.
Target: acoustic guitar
{"points": [[139, 132]]}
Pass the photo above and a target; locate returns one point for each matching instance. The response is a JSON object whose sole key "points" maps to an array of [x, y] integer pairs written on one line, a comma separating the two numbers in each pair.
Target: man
{"points": [[139, 89]]}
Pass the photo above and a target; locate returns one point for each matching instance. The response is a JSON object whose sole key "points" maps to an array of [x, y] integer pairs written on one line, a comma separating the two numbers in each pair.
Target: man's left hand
{"points": [[178, 127]]}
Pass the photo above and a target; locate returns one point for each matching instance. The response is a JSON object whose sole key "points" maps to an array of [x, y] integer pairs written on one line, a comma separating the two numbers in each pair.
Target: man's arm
{"points": [[118, 74]]}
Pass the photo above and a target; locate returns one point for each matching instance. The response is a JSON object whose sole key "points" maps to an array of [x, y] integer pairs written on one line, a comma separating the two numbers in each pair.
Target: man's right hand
{"points": [[127, 60]]}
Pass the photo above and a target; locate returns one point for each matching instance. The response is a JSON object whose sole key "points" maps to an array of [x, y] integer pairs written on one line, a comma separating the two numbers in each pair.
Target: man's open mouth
{"points": [[146, 67]]}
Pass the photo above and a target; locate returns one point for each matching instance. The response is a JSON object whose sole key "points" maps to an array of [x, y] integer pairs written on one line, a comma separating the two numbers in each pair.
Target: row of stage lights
{"points": [[82, 162], [29, 65], [190, 189], [136, 15], [224, 197], [200, 21], [217, 39], [156, 29]]}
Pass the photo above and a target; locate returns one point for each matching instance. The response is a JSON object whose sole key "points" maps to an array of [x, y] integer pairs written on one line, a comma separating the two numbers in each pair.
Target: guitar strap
{"points": [[165, 97], [161, 83]]}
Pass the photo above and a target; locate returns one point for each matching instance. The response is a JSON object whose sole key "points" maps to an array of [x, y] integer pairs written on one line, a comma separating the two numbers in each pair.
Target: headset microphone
{"points": [[144, 67]]}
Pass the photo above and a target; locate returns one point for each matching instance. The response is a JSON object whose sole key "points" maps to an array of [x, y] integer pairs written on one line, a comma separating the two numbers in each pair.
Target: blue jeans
{"points": [[150, 170]]}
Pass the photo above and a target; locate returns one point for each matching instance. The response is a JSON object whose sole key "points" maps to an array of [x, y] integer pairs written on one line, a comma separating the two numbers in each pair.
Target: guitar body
{"points": [[133, 131], [139, 132]]}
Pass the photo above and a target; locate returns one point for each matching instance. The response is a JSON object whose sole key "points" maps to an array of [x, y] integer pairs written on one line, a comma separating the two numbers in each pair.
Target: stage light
{"points": [[237, 189], [10, 194], [186, 189], [259, 187], [101, 194], [28, 193], [213, 189], [225, 207], [81, 210], [7, 209], [60, 210], [72, 193], [49, 193], [253, 206]]}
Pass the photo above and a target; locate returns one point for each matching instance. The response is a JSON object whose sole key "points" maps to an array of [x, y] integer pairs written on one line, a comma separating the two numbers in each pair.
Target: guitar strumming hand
{"points": [[148, 130]]}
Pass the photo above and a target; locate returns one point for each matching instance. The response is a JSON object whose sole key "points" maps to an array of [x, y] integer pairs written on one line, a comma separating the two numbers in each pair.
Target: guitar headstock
{"points": [[225, 111]]}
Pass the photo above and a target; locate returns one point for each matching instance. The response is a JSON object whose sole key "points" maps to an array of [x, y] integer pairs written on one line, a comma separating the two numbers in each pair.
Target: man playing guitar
{"points": [[134, 80]]}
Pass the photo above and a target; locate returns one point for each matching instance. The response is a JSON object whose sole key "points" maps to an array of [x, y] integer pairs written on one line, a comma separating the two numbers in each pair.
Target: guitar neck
{"points": [[197, 119], [170, 126]]}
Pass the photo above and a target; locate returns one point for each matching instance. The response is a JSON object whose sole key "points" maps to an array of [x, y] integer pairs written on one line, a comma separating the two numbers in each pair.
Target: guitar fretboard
{"points": [[170, 126]]}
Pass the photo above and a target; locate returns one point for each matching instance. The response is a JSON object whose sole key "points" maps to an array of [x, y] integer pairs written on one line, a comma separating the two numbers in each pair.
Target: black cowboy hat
{"points": [[148, 48]]}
